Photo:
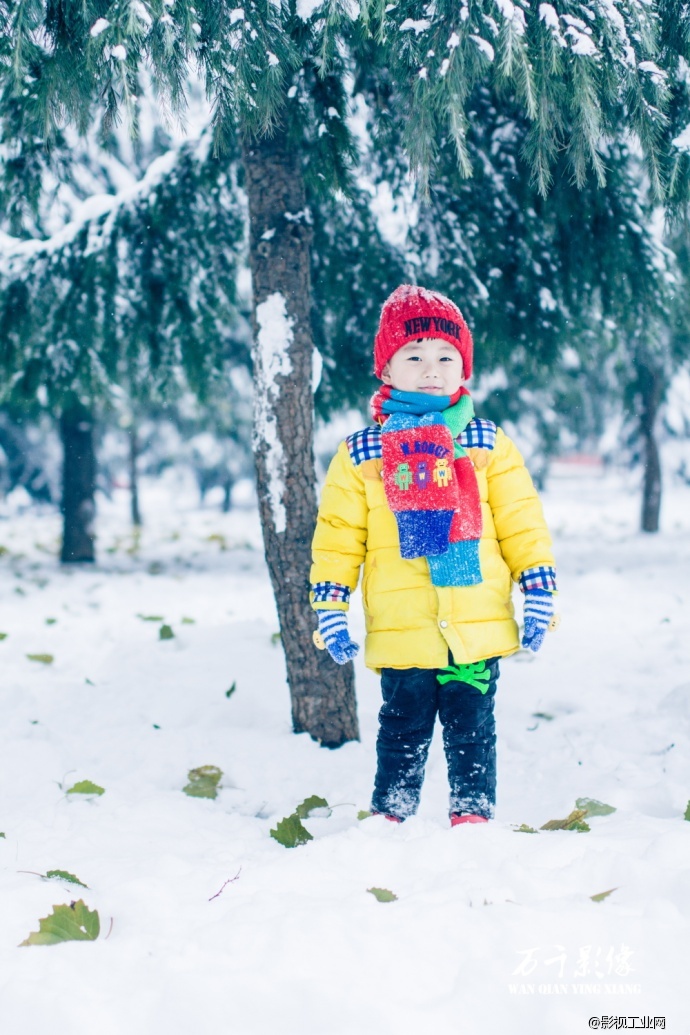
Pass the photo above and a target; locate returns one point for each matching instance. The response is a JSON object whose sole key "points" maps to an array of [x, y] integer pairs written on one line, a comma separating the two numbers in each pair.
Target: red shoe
{"points": [[391, 819], [466, 817]]}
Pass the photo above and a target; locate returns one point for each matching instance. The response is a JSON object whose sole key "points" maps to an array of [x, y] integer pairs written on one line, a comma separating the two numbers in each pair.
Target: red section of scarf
{"points": [[467, 519], [418, 469]]}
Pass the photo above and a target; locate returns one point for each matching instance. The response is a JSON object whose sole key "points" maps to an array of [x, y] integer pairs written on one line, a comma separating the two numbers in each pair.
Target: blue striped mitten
{"points": [[334, 633], [538, 611]]}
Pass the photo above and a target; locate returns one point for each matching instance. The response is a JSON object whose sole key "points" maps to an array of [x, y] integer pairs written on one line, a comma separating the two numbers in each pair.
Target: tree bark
{"points": [[651, 392], [133, 476], [78, 484], [322, 693]]}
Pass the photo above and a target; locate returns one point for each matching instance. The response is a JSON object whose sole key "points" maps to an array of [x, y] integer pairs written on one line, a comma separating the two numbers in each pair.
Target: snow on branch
{"points": [[141, 286], [97, 214]]}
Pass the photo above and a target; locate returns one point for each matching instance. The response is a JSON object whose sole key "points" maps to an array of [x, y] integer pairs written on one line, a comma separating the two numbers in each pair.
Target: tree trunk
{"points": [[133, 476], [322, 693], [227, 494], [651, 391], [78, 484]]}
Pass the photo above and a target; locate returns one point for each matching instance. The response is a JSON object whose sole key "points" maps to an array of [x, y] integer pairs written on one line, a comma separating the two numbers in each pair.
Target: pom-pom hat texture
{"points": [[413, 312]]}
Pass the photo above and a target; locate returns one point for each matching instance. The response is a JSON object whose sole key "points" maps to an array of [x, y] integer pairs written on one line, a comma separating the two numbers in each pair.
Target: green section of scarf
{"points": [[457, 418]]}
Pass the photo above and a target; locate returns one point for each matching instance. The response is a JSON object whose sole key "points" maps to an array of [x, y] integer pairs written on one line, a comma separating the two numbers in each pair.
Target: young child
{"points": [[439, 507]]}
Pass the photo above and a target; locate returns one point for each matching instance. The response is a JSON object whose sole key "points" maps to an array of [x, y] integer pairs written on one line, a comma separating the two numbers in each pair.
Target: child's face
{"points": [[429, 365]]}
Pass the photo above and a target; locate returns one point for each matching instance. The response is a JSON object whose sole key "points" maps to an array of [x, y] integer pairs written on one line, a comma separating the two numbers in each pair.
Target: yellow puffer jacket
{"points": [[411, 623]]}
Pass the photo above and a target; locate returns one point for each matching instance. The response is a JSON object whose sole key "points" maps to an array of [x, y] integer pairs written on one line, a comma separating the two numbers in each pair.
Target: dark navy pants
{"points": [[412, 698]]}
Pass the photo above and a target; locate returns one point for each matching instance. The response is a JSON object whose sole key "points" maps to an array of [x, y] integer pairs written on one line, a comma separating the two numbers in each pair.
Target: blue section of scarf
{"points": [[416, 403]]}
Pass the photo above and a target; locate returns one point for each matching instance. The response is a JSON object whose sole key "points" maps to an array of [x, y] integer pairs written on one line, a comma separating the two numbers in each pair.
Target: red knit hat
{"points": [[411, 313]]}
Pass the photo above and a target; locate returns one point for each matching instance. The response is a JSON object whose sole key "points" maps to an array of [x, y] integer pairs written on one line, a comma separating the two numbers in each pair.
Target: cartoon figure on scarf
{"points": [[442, 473], [403, 476], [442, 538], [421, 474]]}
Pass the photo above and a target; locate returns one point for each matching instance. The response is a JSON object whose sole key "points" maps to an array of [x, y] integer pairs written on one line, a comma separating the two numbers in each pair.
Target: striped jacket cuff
{"points": [[541, 577], [333, 594]]}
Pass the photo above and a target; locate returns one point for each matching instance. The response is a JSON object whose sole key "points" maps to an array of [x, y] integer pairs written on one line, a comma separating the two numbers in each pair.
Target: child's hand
{"points": [[538, 614], [336, 638]]}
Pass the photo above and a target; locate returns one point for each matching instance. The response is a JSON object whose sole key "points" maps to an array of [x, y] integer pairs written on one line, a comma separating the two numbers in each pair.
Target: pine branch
{"points": [[136, 291], [583, 148]]}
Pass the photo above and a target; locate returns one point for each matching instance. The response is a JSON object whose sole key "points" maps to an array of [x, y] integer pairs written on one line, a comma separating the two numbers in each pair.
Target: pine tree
{"points": [[137, 294], [100, 256]]}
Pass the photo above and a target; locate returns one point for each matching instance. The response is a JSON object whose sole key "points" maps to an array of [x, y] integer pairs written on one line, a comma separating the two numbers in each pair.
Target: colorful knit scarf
{"points": [[429, 481]]}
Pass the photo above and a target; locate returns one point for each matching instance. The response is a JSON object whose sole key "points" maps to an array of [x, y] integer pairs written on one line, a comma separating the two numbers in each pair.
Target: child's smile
{"points": [[430, 365]]}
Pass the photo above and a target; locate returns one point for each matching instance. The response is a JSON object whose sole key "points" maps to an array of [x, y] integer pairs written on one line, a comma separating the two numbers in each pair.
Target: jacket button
{"points": [[444, 624]]}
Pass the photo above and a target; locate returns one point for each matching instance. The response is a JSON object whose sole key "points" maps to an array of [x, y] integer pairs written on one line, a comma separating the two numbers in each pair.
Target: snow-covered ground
{"points": [[208, 925]]}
